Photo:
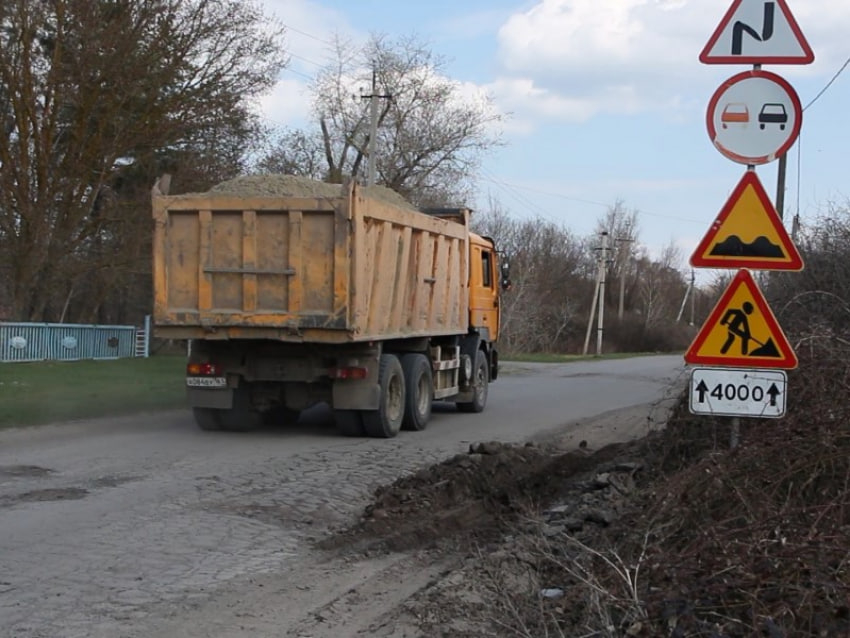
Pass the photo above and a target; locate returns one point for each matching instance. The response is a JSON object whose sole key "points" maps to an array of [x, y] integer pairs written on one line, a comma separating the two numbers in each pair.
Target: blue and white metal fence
{"points": [[69, 342]]}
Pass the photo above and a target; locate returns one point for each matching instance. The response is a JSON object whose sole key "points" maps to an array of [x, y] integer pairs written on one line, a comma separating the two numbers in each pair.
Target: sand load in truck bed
{"points": [[290, 258]]}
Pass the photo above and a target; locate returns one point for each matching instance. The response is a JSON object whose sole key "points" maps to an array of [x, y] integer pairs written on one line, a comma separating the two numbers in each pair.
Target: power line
{"points": [[595, 203], [307, 60], [518, 197], [309, 35], [829, 84], [303, 75], [800, 137]]}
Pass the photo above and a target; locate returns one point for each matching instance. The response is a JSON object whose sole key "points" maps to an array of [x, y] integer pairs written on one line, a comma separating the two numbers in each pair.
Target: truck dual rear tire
{"points": [[240, 418], [480, 385], [419, 386], [385, 422]]}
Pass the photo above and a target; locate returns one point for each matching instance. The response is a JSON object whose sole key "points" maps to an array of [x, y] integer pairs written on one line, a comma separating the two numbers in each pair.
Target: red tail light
{"points": [[349, 372], [204, 370]]}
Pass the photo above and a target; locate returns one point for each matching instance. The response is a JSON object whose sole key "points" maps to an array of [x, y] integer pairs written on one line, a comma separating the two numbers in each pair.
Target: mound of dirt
{"points": [[276, 185], [476, 494]]}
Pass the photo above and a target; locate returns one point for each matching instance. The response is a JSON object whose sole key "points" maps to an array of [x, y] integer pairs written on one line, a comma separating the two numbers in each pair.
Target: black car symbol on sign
{"points": [[773, 113]]}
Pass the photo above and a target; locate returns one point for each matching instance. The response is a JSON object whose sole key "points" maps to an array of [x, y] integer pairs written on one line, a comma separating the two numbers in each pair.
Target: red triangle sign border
{"points": [[745, 278], [794, 261], [807, 56]]}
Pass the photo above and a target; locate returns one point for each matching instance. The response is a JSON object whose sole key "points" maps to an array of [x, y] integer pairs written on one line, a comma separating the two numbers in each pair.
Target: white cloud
{"points": [[521, 97], [572, 59], [608, 41], [287, 105], [310, 29]]}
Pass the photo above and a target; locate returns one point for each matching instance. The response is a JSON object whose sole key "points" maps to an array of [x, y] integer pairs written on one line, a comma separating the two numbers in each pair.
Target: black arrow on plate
{"points": [[702, 389], [774, 392]]}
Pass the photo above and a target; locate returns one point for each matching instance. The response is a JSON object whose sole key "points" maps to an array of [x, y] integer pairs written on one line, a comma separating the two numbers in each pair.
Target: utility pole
{"points": [[623, 264], [603, 262], [598, 297], [689, 291], [592, 314], [373, 98], [693, 295], [598, 294], [780, 184]]}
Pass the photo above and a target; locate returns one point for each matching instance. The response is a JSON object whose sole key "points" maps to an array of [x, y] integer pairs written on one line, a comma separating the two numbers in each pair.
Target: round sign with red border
{"points": [[754, 117]]}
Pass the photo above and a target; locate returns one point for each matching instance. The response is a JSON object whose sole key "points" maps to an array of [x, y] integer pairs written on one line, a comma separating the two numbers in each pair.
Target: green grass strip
{"points": [[47, 392]]}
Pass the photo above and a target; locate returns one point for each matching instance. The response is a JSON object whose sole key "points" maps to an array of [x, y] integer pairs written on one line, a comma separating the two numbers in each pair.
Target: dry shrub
{"points": [[755, 540], [720, 542], [730, 543], [632, 334]]}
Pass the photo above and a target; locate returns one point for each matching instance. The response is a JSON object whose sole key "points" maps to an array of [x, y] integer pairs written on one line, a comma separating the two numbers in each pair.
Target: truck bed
{"points": [[325, 270]]}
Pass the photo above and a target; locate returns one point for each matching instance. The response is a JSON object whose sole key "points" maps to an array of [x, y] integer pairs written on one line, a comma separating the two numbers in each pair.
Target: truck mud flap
{"points": [[221, 399], [350, 395]]}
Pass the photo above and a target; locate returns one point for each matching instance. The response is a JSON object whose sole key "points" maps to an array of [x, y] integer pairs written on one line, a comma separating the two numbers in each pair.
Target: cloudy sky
{"points": [[607, 101]]}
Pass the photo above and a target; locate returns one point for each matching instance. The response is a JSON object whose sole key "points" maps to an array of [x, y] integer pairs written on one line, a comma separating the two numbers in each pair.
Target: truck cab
{"points": [[483, 287]]}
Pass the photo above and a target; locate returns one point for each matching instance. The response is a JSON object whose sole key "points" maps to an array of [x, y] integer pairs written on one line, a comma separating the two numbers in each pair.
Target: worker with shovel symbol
{"points": [[738, 326]]}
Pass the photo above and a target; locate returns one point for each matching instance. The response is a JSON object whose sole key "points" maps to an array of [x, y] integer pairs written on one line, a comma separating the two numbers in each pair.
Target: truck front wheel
{"points": [[480, 384], [385, 422]]}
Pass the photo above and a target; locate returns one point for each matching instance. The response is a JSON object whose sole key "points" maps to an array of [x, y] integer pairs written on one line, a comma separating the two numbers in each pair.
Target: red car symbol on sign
{"points": [[734, 112]]}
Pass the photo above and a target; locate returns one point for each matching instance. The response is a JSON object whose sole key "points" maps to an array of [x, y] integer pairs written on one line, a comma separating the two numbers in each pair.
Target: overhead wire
{"points": [[306, 76], [518, 197], [304, 33], [596, 203], [828, 84], [800, 136]]}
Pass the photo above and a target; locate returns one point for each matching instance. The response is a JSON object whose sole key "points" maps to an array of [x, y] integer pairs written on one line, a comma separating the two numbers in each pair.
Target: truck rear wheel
{"points": [[419, 387], [242, 417], [480, 385], [207, 419], [349, 422], [385, 422]]}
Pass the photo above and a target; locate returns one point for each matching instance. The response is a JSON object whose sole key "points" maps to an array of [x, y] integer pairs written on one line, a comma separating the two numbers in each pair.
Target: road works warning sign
{"points": [[741, 331], [748, 233]]}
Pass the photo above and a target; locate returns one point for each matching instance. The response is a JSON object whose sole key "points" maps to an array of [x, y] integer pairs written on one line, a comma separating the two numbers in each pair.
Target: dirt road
{"points": [[145, 526]]}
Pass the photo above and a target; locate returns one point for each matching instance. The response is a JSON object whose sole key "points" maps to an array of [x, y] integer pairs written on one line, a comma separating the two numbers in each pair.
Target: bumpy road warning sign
{"points": [[742, 331], [748, 233]]}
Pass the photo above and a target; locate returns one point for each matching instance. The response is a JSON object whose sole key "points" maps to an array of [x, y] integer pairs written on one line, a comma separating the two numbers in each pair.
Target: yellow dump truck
{"points": [[342, 297]]}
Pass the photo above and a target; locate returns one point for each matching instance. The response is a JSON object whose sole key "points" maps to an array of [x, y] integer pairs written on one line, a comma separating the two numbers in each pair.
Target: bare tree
{"points": [[661, 286], [542, 311], [96, 96], [430, 135]]}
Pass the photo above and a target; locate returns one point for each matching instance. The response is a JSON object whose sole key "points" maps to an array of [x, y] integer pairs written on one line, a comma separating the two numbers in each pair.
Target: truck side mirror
{"points": [[505, 274]]}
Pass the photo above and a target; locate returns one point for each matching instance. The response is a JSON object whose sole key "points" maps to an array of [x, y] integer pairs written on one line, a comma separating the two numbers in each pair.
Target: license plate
{"points": [[206, 382]]}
